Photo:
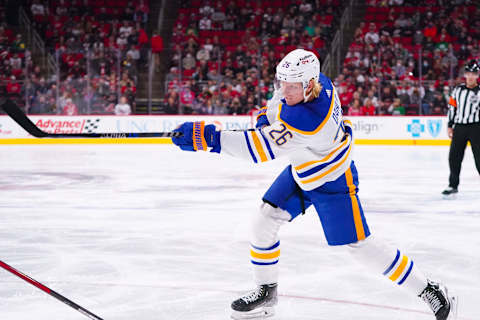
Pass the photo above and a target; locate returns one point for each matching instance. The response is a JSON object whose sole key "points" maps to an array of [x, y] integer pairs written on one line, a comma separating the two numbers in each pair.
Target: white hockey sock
{"points": [[265, 245], [391, 262]]}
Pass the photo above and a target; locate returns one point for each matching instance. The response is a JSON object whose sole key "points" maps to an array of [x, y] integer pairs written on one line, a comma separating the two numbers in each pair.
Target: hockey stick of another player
{"points": [[19, 117], [49, 291]]}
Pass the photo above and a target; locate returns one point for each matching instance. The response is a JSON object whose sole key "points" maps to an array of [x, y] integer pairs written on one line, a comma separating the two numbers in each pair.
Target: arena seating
{"points": [[109, 34], [224, 53], [396, 46]]}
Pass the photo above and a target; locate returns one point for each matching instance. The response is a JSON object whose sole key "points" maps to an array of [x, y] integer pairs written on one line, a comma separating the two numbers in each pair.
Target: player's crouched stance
{"points": [[303, 121]]}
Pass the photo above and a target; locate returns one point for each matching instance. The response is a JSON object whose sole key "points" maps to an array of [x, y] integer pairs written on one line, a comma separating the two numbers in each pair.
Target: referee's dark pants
{"points": [[461, 134]]}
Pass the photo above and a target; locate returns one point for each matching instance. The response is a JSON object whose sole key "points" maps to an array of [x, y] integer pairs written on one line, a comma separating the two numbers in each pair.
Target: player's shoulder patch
{"points": [[310, 117]]}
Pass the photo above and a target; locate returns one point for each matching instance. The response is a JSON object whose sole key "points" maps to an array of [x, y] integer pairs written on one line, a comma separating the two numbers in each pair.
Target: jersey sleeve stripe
{"points": [[250, 147], [272, 156], [258, 146]]}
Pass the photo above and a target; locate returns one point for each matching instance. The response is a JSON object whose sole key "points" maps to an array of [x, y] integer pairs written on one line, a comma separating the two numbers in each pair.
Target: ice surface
{"points": [[149, 232]]}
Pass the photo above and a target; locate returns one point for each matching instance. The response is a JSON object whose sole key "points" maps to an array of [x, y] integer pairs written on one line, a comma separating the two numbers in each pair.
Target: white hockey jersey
{"points": [[313, 135]]}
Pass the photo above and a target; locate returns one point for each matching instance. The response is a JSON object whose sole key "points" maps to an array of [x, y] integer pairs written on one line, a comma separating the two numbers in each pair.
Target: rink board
{"points": [[367, 130]]}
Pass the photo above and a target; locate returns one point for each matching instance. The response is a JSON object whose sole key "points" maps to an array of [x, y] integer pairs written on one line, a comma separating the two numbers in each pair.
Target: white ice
{"points": [[149, 232]]}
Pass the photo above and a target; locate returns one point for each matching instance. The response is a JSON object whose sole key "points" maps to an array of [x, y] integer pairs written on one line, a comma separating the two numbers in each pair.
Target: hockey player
{"points": [[303, 121]]}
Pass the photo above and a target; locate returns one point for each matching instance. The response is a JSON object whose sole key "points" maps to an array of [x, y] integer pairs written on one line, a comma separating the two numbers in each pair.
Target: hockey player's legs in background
{"points": [[456, 154], [343, 222]]}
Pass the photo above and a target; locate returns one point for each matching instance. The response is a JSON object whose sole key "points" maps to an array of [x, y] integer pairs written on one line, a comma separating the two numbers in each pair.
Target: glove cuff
{"points": [[205, 137], [213, 138], [198, 136]]}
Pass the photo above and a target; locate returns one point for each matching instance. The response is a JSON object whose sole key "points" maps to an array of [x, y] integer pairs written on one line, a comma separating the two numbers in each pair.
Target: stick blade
{"points": [[19, 117]]}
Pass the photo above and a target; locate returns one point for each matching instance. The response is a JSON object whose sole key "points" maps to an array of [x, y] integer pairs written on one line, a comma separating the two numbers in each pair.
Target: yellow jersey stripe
{"points": [[357, 217], [400, 269], [272, 255], [306, 164], [259, 147], [320, 126], [330, 170]]}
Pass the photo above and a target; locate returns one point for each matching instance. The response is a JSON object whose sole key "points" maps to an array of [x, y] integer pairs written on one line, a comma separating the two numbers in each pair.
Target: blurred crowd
{"points": [[224, 53], [98, 47], [407, 55], [14, 62]]}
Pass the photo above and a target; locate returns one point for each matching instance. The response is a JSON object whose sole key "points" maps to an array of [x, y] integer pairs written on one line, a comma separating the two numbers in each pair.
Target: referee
{"points": [[463, 124]]}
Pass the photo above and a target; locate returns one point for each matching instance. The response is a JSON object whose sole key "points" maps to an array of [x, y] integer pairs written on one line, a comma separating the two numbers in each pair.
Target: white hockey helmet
{"points": [[299, 65]]}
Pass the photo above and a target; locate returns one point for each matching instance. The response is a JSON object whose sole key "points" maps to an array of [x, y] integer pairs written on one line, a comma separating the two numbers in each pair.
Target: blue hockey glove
{"points": [[197, 136], [262, 119]]}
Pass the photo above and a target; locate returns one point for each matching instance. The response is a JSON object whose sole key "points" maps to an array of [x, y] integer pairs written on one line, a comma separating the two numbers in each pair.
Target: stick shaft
{"points": [[49, 291]]}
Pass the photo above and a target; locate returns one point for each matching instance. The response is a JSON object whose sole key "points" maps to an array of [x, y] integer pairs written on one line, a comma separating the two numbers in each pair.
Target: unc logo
{"points": [[434, 127]]}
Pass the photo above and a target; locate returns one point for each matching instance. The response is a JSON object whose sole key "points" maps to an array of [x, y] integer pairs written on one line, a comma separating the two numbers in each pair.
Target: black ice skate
{"points": [[449, 191], [436, 296], [257, 304]]}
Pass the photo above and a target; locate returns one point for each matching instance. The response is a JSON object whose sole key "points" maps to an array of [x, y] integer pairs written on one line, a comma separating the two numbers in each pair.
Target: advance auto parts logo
{"points": [[68, 126]]}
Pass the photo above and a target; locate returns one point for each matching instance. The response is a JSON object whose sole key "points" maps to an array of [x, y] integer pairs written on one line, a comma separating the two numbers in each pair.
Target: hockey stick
{"points": [[49, 291], [19, 117]]}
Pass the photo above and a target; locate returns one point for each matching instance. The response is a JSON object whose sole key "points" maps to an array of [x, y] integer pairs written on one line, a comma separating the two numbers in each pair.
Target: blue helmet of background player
{"points": [[472, 66]]}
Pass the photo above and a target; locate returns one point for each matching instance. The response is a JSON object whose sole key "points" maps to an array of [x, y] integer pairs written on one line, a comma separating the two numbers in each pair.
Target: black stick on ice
{"points": [[54, 294], [19, 117]]}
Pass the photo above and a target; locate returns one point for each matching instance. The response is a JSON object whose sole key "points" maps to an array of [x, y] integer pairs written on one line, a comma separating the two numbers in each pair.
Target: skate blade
{"points": [[452, 196], [260, 313]]}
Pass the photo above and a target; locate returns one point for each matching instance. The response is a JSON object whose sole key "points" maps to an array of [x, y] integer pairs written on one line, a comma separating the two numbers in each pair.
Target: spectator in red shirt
{"points": [[157, 47], [70, 109], [354, 109], [368, 109], [346, 96], [430, 30], [13, 87]]}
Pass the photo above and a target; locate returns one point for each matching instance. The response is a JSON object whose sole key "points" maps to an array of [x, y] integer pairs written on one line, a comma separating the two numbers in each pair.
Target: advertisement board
{"points": [[367, 130]]}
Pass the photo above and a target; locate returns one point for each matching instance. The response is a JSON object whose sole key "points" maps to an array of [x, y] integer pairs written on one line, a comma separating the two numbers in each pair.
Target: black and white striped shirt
{"points": [[464, 105]]}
